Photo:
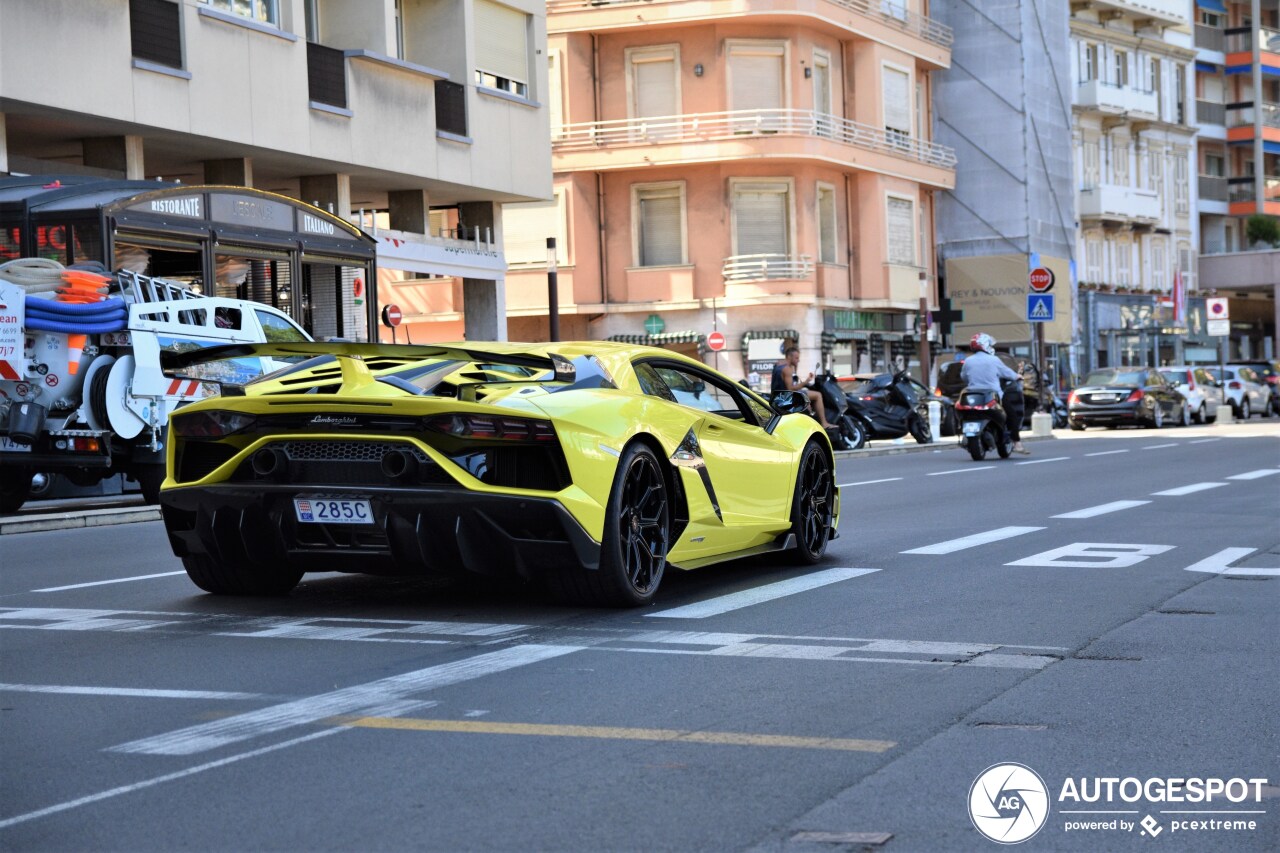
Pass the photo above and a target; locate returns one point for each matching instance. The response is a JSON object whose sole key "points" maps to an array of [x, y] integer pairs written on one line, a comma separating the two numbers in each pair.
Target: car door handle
{"points": [[714, 428]]}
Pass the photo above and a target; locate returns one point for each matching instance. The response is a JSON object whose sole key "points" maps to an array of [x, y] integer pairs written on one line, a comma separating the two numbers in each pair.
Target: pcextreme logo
{"points": [[1008, 803]]}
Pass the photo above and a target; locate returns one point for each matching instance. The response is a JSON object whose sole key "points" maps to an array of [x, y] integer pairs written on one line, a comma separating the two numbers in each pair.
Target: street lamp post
{"points": [[553, 293], [924, 328]]}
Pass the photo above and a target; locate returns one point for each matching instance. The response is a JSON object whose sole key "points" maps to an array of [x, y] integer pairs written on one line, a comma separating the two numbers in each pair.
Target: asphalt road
{"points": [[1106, 607]]}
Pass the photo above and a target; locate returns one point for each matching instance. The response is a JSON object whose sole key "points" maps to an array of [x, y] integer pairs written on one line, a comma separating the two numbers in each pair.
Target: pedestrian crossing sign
{"points": [[1039, 307]]}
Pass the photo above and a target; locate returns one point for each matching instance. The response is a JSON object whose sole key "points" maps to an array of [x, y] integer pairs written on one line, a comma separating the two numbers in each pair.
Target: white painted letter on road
{"points": [[1093, 555], [1220, 564]]}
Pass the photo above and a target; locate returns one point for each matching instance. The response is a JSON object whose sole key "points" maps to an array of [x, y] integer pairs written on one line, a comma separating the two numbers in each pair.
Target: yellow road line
{"points": [[616, 733]]}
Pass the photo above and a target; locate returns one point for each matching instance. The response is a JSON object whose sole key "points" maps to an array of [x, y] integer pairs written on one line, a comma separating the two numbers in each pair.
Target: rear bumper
{"points": [[1107, 415], [416, 531]]}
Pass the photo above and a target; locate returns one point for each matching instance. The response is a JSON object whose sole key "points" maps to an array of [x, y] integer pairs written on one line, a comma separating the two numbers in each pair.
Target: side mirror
{"points": [[790, 402]]}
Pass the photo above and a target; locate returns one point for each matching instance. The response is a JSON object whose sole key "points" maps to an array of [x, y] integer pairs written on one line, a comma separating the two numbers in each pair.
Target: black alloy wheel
{"points": [[813, 506]]}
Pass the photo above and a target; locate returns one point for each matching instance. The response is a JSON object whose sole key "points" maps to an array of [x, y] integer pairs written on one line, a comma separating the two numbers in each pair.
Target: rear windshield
{"points": [[1116, 377]]}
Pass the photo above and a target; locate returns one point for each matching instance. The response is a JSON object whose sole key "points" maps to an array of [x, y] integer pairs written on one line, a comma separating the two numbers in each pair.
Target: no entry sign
{"points": [[391, 315], [715, 341], [1041, 279]]}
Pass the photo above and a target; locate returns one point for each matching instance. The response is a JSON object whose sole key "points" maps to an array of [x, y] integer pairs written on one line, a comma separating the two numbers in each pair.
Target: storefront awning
{"points": [[1215, 6], [662, 340]]}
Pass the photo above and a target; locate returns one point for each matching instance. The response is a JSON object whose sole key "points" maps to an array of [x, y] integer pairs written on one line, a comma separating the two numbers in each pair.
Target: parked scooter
{"points": [[887, 409], [836, 404], [982, 424]]}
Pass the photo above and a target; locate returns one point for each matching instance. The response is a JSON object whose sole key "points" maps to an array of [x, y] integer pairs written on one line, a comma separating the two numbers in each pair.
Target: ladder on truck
{"points": [[145, 288]]}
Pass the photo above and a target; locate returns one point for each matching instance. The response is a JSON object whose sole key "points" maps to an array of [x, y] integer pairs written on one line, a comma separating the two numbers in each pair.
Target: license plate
{"points": [[8, 445], [1104, 397], [971, 428], [333, 511]]}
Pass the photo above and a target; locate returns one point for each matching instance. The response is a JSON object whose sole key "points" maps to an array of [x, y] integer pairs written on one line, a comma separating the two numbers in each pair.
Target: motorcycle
{"points": [[887, 408], [836, 404], [982, 424]]}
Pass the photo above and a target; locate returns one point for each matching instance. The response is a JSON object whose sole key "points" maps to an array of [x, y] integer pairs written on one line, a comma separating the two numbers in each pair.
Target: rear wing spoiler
{"points": [[176, 364]]}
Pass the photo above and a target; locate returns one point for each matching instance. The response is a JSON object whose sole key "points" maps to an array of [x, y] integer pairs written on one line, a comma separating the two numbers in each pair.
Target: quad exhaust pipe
{"points": [[267, 463], [399, 465]]}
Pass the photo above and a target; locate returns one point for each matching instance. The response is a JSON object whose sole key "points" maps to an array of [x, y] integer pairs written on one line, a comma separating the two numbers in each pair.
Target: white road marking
{"points": [[1038, 461], [1203, 440], [168, 777], [1253, 475], [1220, 564], [142, 693], [869, 482], [1159, 446], [1107, 452], [960, 470], [1187, 490], [952, 545], [1096, 555], [104, 583], [1101, 509], [387, 697], [760, 594]]}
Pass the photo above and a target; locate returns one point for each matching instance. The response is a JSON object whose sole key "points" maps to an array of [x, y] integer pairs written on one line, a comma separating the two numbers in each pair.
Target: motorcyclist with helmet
{"points": [[982, 371]]}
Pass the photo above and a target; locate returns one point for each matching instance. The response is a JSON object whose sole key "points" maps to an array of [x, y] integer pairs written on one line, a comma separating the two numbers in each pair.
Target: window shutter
{"points": [[502, 41], [826, 225], [661, 234], [757, 78], [526, 227], [555, 93], [654, 85], [901, 226], [761, 221], [897, 101]]}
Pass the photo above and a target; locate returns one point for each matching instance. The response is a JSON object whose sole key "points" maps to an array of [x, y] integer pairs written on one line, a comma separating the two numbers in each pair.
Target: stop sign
{"points": [[391, 315], [1041, 279], [715, 341]]}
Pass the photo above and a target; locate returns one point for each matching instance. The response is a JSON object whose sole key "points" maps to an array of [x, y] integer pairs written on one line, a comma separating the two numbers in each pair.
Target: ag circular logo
{"points": [[1008, 803]]}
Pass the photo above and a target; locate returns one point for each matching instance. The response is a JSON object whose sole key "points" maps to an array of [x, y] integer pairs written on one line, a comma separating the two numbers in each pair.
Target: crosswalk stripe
{"points": [[1188, 490], [1101, 509], [757, 595], [952, 545]]}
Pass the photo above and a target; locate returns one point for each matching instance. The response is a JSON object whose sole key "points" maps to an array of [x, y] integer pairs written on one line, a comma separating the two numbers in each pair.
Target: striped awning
{"points": [[662, 340]]}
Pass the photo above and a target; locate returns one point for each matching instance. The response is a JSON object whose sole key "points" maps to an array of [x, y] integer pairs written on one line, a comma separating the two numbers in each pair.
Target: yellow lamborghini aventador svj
{"points": [[590, 467]]}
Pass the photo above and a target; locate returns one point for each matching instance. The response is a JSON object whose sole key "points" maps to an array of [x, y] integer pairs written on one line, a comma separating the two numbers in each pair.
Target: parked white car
{"points": [[1202, 391], [1244, 389]]}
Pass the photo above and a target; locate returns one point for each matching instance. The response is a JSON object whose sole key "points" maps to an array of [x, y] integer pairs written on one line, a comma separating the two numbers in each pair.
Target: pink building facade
{"points": [[760, 169]]}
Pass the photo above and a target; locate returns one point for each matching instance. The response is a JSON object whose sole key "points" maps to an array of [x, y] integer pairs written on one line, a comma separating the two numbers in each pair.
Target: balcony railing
{"points": [[892, 12], [1241, 189], [1241, 114], [1240, 39], [1171, 11], [708, 127], [1112, 201], [766, 267], [1208, 112], [1113, 98], [1213, 188], [1209, 38]]}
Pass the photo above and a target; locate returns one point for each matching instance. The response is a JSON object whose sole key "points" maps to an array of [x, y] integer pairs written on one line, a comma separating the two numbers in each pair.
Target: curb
{"points": [[948, 443], [71, 521]]}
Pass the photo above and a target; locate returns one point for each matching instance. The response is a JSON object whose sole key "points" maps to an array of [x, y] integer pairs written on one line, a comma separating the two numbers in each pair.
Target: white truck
{"points": [[86, 403]]}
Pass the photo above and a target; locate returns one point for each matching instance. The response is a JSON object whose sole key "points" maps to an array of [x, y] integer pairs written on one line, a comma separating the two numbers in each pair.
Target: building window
{"points": [[1124, 254], [1089, 164], [1089, 62], [399, 14], [900, 226], [555, 95], [1215, 165], [652, 81], [1121, 66], [761, 217], [1159, 270], [1180, 93], [657, 211], [266, 11], [1156, 85], [502, 48], [1181, 193], [1093, 260], [155, 30], [1120, 162], [897, 102], [451, 107], [826, 224], [1155, 169], [526, 227], [757, 75]]}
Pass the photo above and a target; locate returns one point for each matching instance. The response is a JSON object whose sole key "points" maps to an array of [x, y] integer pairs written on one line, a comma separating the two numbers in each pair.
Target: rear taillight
{"points": [[1135, 397], [937, 392], [1072, 399], [212, 424], [990, 404], [1234, 386], [495, 428], [866, 398]]}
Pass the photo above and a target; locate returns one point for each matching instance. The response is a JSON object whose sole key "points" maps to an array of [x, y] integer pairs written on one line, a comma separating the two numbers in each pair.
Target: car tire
{"points": [[1266, 410], [637, 535], [150, 478], [813, 504], [1200, 417], [1184, 420], [15, 486], [854, 432], [1245, 411], [236, 578], [1157, 417], [1075, 427]]}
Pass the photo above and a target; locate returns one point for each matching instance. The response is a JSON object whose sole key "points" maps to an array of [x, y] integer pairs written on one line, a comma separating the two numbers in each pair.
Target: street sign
{"points": [[1039, 307], [391, 315], [1219, 328], [1217, 309], [654, 325], [1041, 279], [715, 341]]}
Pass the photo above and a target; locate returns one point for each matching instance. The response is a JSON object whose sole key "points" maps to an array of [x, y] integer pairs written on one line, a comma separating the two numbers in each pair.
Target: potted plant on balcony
{"points": [[1262, 231]]}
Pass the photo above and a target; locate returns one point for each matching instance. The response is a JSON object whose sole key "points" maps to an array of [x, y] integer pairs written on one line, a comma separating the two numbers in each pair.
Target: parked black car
{"points": [[1120, 396]]}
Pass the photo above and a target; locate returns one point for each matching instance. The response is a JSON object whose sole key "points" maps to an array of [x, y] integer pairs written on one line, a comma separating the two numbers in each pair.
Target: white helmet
{"points": [[983, 341]]}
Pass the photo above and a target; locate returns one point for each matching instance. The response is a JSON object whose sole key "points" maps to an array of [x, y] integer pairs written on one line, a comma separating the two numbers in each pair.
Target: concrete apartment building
{"points": [[1133, 134], [417, 119], [1237, 88], [764, 170]]}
